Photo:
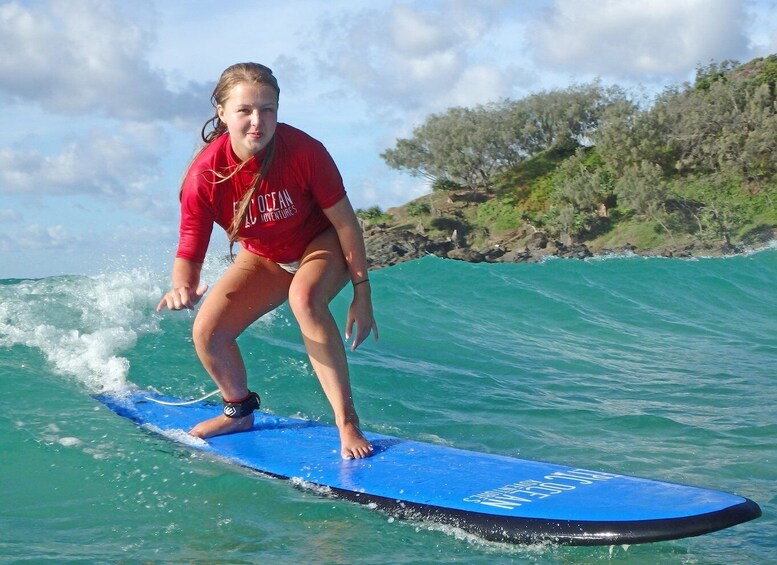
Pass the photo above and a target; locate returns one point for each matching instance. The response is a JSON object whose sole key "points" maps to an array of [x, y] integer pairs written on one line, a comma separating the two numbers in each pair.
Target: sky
{"points": [[102, 101]]}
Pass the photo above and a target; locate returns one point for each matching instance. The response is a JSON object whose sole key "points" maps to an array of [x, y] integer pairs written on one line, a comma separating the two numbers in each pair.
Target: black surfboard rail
{"points": [[562, 532]]}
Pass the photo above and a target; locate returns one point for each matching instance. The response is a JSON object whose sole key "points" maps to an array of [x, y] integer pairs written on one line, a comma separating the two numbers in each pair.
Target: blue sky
{"points": [[102, 101]]}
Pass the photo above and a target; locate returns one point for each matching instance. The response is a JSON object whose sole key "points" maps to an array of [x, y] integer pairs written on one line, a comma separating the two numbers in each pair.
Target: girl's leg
{"points": [[322, 274], [251, 287]]}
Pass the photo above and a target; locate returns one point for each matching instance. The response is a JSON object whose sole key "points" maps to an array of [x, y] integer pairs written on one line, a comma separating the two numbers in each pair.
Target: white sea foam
{"points": [[301, 483], [81, 325], [179, 436], [84, 326], [69, 441]]}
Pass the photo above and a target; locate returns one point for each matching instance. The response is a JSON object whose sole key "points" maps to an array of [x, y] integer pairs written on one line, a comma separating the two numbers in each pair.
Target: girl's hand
{"points": [[360, 313], [182, 297]]}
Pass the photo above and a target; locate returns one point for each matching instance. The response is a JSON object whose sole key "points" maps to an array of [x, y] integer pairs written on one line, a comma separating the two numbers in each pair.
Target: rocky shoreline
{"points": [[388, 246]]}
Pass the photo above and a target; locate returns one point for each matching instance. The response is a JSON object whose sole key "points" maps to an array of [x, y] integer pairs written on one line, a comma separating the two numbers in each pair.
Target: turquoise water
{"points": [[655, 367]]}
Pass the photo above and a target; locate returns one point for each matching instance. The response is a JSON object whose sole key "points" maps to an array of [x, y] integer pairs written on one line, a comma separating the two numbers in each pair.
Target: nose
{"points": [[255, 119]]}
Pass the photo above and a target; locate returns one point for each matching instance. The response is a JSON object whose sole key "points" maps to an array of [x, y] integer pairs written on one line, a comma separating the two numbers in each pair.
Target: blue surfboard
{"points": [[494, 497]]}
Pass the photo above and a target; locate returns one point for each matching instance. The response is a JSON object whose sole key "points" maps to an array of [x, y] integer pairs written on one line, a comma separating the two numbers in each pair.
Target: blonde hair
{"points": [[250, 73]]}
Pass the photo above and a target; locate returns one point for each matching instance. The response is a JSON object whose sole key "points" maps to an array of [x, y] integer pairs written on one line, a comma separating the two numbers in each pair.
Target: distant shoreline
{"points": [[387, 246]]}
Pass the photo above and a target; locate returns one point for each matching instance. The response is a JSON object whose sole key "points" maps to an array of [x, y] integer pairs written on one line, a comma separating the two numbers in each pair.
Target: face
{"points": [[250, 113]]}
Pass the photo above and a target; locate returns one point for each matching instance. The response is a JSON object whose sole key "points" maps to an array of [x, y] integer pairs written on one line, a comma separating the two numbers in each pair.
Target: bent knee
{"points": [[201, 333], [207, 336], [307, 302]]}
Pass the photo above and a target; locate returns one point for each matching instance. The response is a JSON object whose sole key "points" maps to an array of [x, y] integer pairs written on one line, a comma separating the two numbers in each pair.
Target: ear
{"points": [[220, 112]]}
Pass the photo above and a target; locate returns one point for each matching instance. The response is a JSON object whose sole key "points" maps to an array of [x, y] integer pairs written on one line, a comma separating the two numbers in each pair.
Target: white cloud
{"points": [[77, 57], [416, 33], [476, 80], [37, 236], [9, 216], [104, 172], [762, 16], [416, 58], [639, 39], [101, 164]]}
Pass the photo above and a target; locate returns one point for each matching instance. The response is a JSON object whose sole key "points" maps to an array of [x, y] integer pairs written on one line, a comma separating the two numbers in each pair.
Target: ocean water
{"points": [[661, 368]]}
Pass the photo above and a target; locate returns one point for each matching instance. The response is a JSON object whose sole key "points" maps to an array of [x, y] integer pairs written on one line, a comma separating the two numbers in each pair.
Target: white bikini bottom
{"points": [[290, 268]]}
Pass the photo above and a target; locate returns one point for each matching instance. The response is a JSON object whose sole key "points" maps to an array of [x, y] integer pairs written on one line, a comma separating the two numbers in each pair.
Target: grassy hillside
{"points": [[696, 170], [516, 209]]}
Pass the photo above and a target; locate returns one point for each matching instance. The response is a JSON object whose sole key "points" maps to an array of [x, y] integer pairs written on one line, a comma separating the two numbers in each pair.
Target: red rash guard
{"points": [[286, 213]]}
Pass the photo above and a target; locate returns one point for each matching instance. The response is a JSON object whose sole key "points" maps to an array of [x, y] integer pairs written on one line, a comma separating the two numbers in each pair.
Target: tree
{"points": [[563, 220], [727, 123], [642, 188], [629, 135], [471, 146], [757, 156], [548, 118], [720, 205], [581, 187], [462, 145], [371, 214]]}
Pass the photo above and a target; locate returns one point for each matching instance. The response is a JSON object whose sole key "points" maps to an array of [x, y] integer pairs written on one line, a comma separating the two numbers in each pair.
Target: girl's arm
{"points": [[349, 233], [186, 291]]}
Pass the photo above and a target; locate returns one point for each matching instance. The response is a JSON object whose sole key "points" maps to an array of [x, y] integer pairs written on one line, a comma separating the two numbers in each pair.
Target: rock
{"points": [[519, 256], [468, 196], [466, 254], [494, 255], [626, 249], [538, 240], [573, 251], [389, 247]]}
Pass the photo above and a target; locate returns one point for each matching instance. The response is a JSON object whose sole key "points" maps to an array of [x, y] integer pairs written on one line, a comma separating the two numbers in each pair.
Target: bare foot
{"points": [[221, 425], [353, 443]]}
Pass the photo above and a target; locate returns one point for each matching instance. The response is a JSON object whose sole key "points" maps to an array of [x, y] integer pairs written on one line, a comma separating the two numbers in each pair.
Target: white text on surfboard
{"points": [[517, 494]]}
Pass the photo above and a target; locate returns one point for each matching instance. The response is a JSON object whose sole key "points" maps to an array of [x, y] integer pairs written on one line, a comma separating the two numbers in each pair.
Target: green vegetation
{"points": [[592, 164], [372, 215]]}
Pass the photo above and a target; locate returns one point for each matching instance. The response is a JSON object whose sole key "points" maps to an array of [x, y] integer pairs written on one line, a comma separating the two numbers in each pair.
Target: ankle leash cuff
{"points": [[242, 408]]}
